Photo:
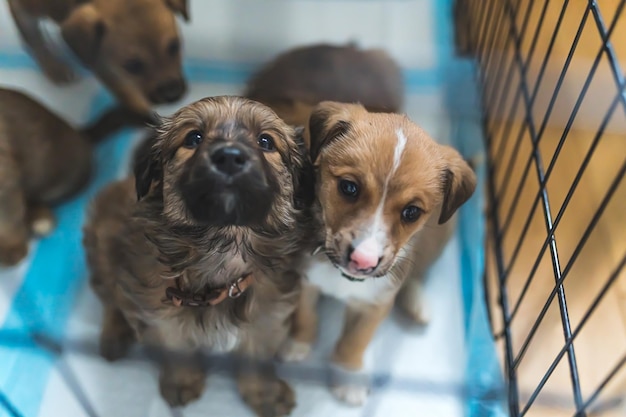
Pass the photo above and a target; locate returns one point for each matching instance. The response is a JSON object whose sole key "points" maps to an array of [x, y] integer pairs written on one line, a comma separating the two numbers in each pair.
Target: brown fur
{"points": [[348, 142], [43, 160], [135, 248], [360, 324], [295, 81], [133, 47]]}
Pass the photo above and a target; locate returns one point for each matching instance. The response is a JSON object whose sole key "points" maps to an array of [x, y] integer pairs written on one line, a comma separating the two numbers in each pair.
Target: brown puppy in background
{"points": [[43, 160], [133, 47], [386, 193], [295, 81], [204, 261]]}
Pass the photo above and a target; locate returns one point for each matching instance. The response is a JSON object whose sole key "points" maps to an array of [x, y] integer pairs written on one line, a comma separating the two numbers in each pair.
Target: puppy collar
{"points": [[208, 296]]}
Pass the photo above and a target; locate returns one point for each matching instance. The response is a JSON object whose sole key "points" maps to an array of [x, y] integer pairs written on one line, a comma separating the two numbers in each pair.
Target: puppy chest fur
{"points": [[134, 260], [218, 329], [322, 274]]}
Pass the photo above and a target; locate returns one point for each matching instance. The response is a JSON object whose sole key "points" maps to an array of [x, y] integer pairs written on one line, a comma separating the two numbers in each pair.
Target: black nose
{"points": [[171, 91], [229, 160]]}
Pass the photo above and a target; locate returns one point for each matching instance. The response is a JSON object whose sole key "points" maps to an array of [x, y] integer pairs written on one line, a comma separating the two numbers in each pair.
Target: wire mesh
{"points": [[544, 69]]}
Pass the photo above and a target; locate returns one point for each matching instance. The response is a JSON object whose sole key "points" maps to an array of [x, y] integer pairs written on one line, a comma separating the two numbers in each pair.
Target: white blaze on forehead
{"points": [[378, 229], [397, 154]]}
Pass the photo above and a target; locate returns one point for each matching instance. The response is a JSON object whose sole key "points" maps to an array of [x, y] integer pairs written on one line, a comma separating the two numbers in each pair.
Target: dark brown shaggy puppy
{"points": [[204, 260]]}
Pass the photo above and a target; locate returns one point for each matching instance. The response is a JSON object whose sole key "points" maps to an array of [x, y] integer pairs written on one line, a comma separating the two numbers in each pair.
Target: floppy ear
{"points": [[459, 182], [329, 120], [304, 181], [83, 31], [179, 6], [147, 166]]}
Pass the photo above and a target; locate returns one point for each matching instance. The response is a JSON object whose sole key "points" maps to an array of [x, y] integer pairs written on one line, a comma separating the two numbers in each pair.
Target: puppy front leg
{"points": [[116, 336], [28, 26], [304, 326], [411, 300], [360, 324], [14, 234], [182, 376], [181, 383]]}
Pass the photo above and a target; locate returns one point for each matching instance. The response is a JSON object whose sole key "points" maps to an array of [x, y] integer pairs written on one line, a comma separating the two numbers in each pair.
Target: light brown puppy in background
{"points": [[386, 194], [43, 160], [205, 260], [133, 47]]}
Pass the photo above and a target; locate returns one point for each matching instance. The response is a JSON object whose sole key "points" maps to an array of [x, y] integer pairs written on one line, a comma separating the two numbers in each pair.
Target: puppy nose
{"points": [[229, 160], [365, 257], [171, 90]]}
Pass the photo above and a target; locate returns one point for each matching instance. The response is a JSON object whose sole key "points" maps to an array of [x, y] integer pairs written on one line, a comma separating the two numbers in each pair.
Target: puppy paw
{"points": [[58, 72], [42, 226], [354, 395], [268, 398], [349, 386], [12, 253], [182, 386], [41, 220], [294, 351]]}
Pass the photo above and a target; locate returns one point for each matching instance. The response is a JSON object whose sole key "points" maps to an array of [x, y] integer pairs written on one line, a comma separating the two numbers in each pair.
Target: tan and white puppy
{"points": [[385, 196], [133, 47]]}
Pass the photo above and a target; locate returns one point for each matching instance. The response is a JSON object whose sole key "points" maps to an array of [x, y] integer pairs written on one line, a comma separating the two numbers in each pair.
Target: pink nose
{"points": [[366, 255]]}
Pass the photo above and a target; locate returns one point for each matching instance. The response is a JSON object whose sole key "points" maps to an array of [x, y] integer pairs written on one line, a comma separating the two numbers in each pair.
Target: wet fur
{"points": [[134, 248]]}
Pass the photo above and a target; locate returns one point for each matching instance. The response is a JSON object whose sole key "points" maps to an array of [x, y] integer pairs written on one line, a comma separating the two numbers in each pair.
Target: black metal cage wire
{"points": [[504, 40]]}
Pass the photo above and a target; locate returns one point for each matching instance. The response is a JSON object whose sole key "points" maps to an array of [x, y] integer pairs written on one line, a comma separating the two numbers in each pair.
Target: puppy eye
{"points": [[173, 47], [349, 189], [411, 214], [193, 139], [266, 142], [134, 66]]}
